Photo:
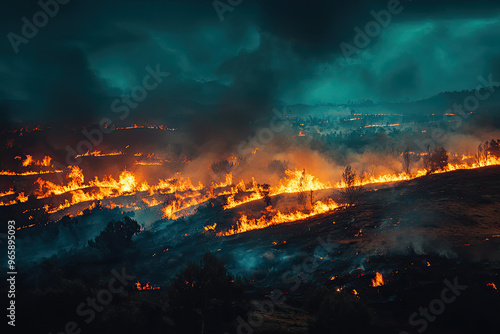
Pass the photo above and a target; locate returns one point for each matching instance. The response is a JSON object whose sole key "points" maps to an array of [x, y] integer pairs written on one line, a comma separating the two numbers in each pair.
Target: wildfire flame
{"points": [[378, 280], [244, 224], [135, 126], [3, 172], [186, 196], [98, 154], [29, 161], [7, 193]]}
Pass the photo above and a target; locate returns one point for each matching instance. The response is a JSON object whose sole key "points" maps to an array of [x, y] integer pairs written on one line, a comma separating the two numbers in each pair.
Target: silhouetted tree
{"points": [[407, 161], [264, 191], [493, 148], [203, 296], [222, 167], [486, 150], [116, 236], [481, 155], [302, 196], [340, 313], [436, 159], [350, 192]]}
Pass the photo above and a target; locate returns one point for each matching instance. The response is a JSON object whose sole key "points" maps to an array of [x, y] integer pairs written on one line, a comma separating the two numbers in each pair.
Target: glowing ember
{"points": [[98, 154], [135, 126], [145, 163], [3, 172], [139, 287], [210, 227]]}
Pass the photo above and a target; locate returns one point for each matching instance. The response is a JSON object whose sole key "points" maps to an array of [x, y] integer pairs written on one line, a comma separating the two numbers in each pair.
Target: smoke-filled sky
{"points": [[262, 54]]}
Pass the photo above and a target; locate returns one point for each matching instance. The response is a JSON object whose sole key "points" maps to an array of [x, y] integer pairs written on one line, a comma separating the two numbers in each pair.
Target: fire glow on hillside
{"points": [[185, 196]]}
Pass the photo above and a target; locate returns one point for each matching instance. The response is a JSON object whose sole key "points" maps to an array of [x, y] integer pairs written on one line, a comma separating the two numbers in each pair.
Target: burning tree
{"points": [[494, 148], [436, 159], [482, 154], [302, 196], [487, 150], [116, 236], [264, 192], [407, 161], [350, 191]]}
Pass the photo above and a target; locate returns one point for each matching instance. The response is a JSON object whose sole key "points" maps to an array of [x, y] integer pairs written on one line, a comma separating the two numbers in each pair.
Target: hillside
{"points": [[415, 234]]}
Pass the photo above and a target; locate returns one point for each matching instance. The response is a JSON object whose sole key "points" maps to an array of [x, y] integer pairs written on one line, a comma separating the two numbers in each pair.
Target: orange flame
{"points": [[244, 224], [30, 161], [378, 280], [139, 287], [98, 154], [7, 193]]}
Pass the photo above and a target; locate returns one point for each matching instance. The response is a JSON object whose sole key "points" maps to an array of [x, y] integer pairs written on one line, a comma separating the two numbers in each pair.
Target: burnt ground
{"points": [[417, 234]]}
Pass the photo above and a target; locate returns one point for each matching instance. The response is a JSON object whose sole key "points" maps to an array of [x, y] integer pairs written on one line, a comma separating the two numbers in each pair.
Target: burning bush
{"points": [[350, 191], [301, 195], [116, 236], [494, 148], [407, 161], [436, 159], [264, 192], [203, 296], [487, 150]]}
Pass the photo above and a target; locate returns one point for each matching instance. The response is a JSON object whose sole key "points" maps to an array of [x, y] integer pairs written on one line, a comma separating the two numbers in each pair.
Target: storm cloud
{"points": [[226, 74]]}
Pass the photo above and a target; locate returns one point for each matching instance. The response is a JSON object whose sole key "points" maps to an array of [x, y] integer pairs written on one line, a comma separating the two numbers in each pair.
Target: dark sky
{"points": [[263, 54]]}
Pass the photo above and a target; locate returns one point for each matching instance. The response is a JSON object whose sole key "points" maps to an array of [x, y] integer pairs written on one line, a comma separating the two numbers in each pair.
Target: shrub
{"points": [[116, 236], [351, 193], [340, 313], [436, 159], [202, 296]]}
